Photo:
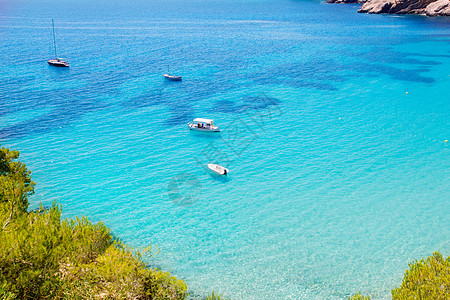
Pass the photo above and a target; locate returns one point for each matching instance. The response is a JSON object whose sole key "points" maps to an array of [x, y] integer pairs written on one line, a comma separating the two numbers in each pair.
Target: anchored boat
{"points": [[200, 124], [218, 169], [57, 62], [171, 77]]}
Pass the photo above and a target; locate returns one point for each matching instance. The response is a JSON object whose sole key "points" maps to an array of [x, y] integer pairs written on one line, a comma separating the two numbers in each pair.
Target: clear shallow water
{"points": [[342, 181]]}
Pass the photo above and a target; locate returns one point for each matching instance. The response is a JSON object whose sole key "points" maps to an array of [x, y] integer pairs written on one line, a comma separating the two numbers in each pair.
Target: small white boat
{"points": [[218, 169], [171, 77], [200, 124]]}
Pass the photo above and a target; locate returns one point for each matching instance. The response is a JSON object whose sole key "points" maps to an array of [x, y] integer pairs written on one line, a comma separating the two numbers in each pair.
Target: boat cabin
{"points": [[200, 124]]}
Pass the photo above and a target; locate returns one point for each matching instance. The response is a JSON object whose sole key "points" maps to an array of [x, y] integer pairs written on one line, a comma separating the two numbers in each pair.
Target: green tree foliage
{"points": [[119, 274], [15, 186], [426, 279], [44, 257], [215, 296], [358, 296]]}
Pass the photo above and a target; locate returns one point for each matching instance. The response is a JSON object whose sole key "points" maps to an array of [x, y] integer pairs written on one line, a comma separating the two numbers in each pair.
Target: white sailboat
{"points": [[57, 62], [171, 77]]}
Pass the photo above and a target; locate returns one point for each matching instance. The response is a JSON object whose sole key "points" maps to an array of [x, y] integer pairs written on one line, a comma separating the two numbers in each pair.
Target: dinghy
{"points": [[218, 169]]}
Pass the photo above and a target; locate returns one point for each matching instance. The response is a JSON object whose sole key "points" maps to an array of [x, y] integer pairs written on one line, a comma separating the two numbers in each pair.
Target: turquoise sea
{"points": [[333, 127]]}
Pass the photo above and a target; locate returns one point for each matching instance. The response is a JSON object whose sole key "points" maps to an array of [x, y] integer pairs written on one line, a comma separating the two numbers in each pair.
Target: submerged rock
{"points": [[428, 7]]}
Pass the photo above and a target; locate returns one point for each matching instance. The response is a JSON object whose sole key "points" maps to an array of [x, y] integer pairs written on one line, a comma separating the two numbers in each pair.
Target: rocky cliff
{"points": [[430, 8], [346, 1]]}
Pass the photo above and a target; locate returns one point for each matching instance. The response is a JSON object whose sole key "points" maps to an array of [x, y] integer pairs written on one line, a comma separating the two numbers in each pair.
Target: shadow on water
{"points": [[179, 116], [322, 73], [145, 100], [317, 73], [395, 73], [66, 109], [171, 83], [381, 60], [387, 54], [58, 70], [244, 104], [219, 178], [204, 135], [179, 97]]}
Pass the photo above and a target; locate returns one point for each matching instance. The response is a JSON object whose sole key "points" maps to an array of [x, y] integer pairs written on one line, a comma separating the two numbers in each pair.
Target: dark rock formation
{"points": [[430, 8], [438, 8], [346, 1], [406, 7]]}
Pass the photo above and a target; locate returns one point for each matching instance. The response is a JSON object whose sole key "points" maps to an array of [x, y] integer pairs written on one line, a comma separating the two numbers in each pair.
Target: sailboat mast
{"points": [[54, 40]]}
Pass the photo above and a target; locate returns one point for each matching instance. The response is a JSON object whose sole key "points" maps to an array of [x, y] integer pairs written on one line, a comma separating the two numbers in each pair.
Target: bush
{"points": [[426, 279], [44, 257], [358, 296], [215, 296]]}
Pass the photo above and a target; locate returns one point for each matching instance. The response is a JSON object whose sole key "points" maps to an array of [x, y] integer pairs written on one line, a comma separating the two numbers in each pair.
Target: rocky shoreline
{"points": [[431, 8]]}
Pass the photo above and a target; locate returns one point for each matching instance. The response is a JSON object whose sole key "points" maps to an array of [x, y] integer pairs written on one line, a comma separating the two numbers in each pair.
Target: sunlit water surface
{"points": [[334, 127]]}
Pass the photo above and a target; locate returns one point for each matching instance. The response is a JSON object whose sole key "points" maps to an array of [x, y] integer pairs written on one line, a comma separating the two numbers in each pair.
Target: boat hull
{"points": [[204, 129], [172, 77], [58, 63]]}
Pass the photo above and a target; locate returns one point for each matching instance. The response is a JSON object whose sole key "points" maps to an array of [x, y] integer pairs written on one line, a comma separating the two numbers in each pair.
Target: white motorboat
{"points": [[218, 169], [200, 124]]}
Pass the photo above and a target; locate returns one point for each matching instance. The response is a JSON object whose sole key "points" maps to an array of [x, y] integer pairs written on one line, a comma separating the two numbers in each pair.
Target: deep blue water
{"points": [[334, 127]]}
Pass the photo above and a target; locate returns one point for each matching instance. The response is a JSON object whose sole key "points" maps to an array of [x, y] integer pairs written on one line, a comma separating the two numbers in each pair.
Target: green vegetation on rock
{"points": [[44, 257], [426, 279], [358, 296], [215, 296]]}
